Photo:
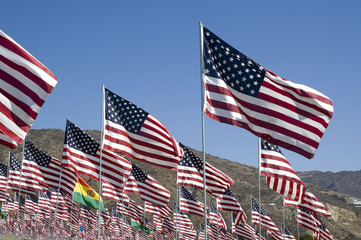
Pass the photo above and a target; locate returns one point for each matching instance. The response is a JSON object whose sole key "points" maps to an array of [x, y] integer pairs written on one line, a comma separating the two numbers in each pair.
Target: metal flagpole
{"points": [[57, 203], [298, 225], [203, 132], [284, 220], [259, 184], [6, 186], [100, 159], [177, 201], [21, 173]]}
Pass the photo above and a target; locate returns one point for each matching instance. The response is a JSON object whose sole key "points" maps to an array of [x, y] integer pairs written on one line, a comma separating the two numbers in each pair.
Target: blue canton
{"points": [[34, 154], [123, 112], [223, 61]]}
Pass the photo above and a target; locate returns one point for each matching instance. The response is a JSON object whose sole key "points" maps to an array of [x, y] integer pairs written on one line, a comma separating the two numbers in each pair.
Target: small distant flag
{"points": [[86, 195]]}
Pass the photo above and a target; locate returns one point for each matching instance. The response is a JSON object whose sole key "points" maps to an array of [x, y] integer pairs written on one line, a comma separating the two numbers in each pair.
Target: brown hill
{"points": [[345, 223]]}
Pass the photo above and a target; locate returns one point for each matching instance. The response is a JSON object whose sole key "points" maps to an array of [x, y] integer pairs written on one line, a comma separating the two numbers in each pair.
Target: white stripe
{"points": [[28, 65]]}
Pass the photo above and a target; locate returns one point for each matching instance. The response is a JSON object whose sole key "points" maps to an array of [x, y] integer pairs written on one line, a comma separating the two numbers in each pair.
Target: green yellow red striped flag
{"points": [[86, 195]]}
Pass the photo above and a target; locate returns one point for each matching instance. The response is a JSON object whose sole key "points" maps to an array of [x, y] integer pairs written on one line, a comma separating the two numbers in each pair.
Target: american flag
{"points": [[147, 187], [189, 204], [180, 217], [280, 175], [309, 202], [87, 213], [287, 235], [38, 163], [276, 234], [29, 184], [215, 217], [44, 202], [323, 233], [25, 85], [306, 219], [154, 209], [135, 211], [216, 181], [3, 180], [134, 132], [228, 202], [244, 230], [266, 220], [82, 153], [31, 204], [241, 92]]}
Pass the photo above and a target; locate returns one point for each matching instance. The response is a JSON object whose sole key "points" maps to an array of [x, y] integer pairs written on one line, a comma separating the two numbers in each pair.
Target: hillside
{"points": [[345, 223]]}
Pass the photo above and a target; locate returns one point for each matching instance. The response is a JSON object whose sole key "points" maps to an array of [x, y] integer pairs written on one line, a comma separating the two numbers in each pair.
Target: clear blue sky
{"points": [[148, 53]]}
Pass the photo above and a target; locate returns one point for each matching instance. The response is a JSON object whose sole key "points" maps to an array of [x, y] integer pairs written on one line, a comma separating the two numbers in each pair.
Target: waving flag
{"points": [[309, 202], [29, 183], [86, 195], [82, 153], [215, 217], [134, 132], [306, 219], [189, 204], [25, 85], [266, 220], [228, 202], [241, 92], [3, 179], [147, 187], [38, 163], [245, 231], [279, 174], [216, 181]]}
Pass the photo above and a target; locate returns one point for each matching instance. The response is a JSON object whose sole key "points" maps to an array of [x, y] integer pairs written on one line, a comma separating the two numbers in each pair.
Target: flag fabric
{"points": [[189, 204], [82, 153], [3, 180], [25, 85], [306, 219], [287, 235], [228, 202], [309, 202], [241, 92], [86, 195], [154, 209], [215, 217], [134, 132], [135, 211], [280, 175], [323, 233], [147, 187], [31, 204], [190, 173], [245, 231], [266, 220], [39, 164], [44, 203], [29, 184]]}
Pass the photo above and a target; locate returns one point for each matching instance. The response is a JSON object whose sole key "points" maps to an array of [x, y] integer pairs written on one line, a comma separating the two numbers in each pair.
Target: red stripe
{"points": [[15, 48], [268, 137], [265, 111]]}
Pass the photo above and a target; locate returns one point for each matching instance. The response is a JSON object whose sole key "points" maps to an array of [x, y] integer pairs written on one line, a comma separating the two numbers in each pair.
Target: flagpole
{"points": [[100, 159], [177, 201], [284, 220], [259, 184], [21, 174], [203, 130], [57, 202]]}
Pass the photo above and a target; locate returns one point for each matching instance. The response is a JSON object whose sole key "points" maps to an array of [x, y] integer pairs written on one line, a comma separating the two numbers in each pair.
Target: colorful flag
{"points": [[3, 180], [189, 204], [86, 195], [147, 187], [134, 132], [241, 92], [216, 181], [25, 85], [279, 174]]}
